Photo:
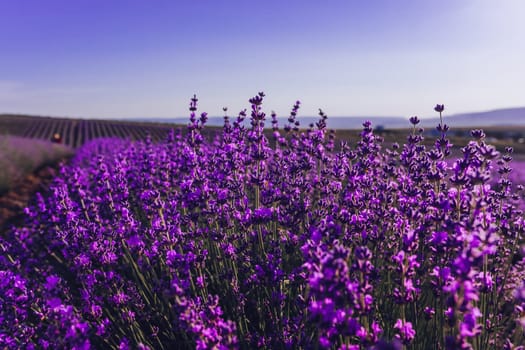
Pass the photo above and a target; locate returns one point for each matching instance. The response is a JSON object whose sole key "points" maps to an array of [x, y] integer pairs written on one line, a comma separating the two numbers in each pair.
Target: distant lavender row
{"points": [[19, 156], [236, 244], [75, 132]]}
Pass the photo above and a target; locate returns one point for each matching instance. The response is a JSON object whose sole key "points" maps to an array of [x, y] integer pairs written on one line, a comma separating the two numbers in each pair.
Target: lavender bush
{"points": [[250, 242], [20, 156]]}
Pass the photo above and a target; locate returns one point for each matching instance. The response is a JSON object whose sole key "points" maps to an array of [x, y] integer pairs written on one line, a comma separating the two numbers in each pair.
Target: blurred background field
{"points": [[20, 156], [75, 132]]}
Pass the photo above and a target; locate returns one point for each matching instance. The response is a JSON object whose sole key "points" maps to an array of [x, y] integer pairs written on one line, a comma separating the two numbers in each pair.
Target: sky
{"points": [[126, 59]]}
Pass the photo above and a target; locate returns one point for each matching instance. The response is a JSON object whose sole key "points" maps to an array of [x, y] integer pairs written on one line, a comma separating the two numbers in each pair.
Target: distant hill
{"points": [[499, 117]]}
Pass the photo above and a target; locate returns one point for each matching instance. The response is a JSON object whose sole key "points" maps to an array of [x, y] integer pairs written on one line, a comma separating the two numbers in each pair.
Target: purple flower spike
{"points": [[469, 327], [414, 120], [439, 108], [478, 134]]}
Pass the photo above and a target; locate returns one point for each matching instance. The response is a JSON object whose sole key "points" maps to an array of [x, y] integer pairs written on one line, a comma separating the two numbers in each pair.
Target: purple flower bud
{"points": [[478, 134], [414, 120], [429, 312], [439, 108], [469, 326], [406, 332]]}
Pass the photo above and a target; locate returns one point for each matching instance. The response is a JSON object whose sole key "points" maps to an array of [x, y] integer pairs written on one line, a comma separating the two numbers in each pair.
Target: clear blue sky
{"points": [[111, 58]]}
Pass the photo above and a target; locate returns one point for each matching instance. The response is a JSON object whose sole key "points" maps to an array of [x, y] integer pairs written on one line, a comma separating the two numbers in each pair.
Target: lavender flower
{"points": [[228, 239]]}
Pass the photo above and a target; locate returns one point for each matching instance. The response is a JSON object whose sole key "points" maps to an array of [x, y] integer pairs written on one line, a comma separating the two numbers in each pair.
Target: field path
{"points": [[13, 202]]}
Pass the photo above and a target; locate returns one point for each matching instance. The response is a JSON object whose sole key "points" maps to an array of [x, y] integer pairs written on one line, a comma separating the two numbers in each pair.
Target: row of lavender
{"points": [[76, 132], [236, 244]]}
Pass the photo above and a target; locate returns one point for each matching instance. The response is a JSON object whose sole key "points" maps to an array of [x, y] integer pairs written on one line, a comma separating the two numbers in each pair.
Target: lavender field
{"points": [[281, 242], [75, 132]]}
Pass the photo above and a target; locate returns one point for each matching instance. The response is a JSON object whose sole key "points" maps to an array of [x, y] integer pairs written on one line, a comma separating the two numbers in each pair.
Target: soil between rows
{"points": [[13, 202]]}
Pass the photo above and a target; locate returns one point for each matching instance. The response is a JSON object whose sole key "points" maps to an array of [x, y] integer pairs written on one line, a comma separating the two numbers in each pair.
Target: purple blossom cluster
{"points": [[244, 240]]}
